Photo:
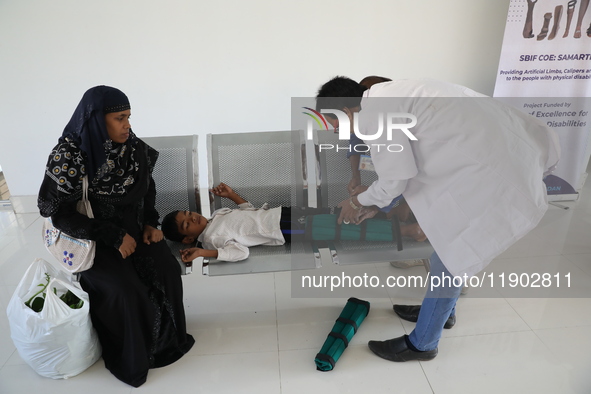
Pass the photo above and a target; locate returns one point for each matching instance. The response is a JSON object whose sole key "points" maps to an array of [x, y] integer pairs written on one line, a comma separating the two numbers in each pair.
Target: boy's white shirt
{"points": [[232, 231]]}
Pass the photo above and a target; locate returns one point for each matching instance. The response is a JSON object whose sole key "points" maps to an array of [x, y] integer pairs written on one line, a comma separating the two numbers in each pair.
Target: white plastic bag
{"points": [[58, 342]]}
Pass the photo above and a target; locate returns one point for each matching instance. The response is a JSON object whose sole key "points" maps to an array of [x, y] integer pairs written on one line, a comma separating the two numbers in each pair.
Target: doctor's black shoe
{"points": [[397, 349], [411, 313]]}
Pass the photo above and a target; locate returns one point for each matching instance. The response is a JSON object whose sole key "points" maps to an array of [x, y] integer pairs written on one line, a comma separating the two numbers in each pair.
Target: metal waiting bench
{"points": [[272, 168], [334, 175], [263, 167], [176, 176]]}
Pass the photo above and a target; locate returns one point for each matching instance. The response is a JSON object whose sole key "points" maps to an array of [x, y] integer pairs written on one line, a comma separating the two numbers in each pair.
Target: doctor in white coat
{"points": [[473, 178]]}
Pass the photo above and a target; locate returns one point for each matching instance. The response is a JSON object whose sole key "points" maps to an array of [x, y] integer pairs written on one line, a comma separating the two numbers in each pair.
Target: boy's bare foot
{"points": [[402, 211], [413, 231], [407, 263]]}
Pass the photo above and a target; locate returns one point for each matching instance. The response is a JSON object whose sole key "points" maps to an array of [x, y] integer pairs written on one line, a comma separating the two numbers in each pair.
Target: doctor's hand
{"points": [[350, 209], [367, 213]]}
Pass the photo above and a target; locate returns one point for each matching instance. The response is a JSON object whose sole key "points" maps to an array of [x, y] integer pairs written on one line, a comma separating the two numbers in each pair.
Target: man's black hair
{"points": [[170, 227], [339, 93]]}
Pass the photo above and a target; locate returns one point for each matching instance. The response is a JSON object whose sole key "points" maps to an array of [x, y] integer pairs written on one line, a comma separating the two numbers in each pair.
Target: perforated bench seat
{"points": [[176, 175], [263, 167], [272, 168], [289, 257]]}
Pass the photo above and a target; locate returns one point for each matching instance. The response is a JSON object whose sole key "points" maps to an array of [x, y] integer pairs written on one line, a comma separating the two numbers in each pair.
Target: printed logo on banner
{"points": [[344, 129]]}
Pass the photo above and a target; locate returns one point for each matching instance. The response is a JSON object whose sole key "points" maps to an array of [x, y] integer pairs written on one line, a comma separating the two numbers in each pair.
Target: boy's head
{"points": [[183, 226]]}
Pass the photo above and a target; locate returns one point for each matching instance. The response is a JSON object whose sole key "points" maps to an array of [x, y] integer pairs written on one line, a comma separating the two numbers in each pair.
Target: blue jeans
{"points": [[438, 305]]}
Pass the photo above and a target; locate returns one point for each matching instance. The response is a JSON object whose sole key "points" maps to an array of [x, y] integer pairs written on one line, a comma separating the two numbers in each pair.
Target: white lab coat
{"points": [[473, 178]]}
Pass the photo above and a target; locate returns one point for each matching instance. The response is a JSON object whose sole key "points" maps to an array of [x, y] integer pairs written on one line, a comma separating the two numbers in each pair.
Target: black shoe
{"points": [[397, 350], [411, 313]]}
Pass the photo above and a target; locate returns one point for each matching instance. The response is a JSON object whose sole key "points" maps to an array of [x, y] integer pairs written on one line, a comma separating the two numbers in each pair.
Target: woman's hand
{"points": [[127, 246], [152, 234]]}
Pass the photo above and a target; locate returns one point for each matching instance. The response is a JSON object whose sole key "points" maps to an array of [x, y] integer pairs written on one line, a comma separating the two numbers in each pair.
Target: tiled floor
{"points": [[252, 336]]}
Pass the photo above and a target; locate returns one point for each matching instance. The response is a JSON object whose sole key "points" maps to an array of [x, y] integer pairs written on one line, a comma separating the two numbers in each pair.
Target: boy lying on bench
{"points": [[230, 232]]}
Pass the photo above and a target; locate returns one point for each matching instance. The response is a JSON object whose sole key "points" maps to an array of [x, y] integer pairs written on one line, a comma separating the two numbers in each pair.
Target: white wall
{"points": [[197, 67]]}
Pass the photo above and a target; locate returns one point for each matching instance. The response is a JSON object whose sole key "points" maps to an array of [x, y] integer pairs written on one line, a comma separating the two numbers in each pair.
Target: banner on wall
{"points": [[545, 70]]}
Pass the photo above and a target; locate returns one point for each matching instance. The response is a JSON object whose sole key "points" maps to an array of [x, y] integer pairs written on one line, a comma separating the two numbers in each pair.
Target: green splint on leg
{"points": [[343, 330], [324, 227]]}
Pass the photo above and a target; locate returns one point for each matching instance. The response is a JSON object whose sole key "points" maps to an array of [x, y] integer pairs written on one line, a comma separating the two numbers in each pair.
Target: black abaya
{"points": [[136, 304]]}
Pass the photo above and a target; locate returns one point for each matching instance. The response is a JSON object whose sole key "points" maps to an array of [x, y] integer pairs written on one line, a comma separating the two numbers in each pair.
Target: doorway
{"points": [[4, 192]]}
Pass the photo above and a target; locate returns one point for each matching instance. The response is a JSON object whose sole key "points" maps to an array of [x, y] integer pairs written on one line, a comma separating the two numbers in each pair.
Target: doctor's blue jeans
{"points": [[438, 305]]}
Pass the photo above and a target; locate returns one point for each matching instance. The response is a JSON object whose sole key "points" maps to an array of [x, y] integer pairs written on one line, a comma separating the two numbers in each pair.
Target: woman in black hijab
{"points": [[134, 285]]}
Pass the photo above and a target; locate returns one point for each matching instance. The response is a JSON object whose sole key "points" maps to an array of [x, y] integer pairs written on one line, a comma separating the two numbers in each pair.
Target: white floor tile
{"points": [[17, 257], [237, 332], [357, 371], [21, 379], [15, 359], [307, 327], [577, 240], [6, 345], [553, 312], [6, 240], [248, 373], [569, 345], [477, 316], [583, 261], [496, 363], [24, 220], [7, 348], [7, 219], [229, 294]]}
